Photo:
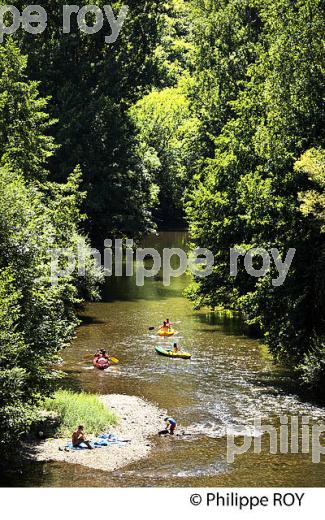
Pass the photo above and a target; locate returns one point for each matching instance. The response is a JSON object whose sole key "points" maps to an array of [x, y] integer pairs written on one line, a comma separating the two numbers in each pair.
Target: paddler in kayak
{"points": [[163, 326], [170, 426], [79, 437], [105, 355], [176, 348], [102, 354], [168, 324]]}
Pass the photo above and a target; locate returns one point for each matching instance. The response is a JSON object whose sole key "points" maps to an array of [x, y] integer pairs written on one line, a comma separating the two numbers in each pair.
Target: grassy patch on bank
{"points": [[74, 409]]}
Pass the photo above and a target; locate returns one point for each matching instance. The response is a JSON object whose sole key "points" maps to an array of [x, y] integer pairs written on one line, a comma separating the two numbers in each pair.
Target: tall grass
{"points": [[75, 409]]}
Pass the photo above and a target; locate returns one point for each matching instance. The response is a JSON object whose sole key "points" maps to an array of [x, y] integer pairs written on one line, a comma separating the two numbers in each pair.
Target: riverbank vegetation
{"points": [[261, 83], [38, 318], [205, 112], [85, 409]]}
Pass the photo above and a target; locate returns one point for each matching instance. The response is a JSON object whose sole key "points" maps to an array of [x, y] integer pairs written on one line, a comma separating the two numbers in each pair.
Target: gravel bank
{"points": [[138, 420]]}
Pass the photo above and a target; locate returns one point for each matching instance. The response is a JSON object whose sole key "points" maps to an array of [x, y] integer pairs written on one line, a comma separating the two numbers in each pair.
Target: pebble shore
{"points": [[138, 421]]}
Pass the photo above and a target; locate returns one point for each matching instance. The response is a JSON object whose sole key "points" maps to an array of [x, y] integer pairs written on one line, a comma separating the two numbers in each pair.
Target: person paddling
{"points": [[78, 437], [167, 325], [102, 354], [176, 348], [105, 355], [163, 326]]}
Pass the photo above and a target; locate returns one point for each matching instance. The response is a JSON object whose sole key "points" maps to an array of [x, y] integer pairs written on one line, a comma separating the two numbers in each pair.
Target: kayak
{"points": [[166, 332], [168, 352], [101, 363]]}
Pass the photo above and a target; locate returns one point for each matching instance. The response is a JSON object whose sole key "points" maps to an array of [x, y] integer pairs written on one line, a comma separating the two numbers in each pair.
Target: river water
{"points": [[230, 381]]}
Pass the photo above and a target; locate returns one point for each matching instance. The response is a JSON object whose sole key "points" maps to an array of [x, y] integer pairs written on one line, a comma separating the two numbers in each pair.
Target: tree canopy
{"points": [[36, 216]]}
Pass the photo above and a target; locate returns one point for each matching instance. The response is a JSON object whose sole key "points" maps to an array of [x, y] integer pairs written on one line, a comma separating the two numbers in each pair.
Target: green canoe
{"points": [[168, 352]]}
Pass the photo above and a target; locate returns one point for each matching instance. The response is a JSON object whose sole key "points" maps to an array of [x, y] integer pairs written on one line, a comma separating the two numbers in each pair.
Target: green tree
{"points": [[168, 146], [24, 144], [248, 195], [225, 33], [312, 164], [92, 84], [37, 316]]}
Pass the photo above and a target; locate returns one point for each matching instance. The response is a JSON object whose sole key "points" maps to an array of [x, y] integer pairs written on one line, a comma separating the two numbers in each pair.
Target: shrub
{"points": [[86, 409]]}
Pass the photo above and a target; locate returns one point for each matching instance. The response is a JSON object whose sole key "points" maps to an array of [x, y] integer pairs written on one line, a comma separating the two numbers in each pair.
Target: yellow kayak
{"points": [[169, 353], [166, 332]]}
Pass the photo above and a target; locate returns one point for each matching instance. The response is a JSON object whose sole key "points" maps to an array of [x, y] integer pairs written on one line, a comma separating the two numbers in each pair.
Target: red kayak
{"points": [[101, 362]]}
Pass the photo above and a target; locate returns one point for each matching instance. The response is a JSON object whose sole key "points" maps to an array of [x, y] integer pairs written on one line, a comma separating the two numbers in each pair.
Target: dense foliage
{"points": [[92, 84], [168, 133], [36, 216], [264, 184]]}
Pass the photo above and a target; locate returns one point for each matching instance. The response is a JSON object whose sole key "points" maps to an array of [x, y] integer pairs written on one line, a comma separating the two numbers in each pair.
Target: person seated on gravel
{"points": [[78, 437], [170, 426]]}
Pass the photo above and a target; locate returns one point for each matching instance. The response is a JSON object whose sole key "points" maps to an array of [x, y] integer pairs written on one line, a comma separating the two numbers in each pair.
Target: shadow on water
{"points": [[230, 322], [125, 289], [89, 320]]}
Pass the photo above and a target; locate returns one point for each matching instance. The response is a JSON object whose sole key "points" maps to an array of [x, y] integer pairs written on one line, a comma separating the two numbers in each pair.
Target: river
{"points": [[230, 380]]}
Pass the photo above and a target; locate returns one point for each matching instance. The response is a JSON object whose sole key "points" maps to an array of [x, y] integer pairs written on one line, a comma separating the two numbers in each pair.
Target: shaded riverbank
{"points": [[138, 422]]}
